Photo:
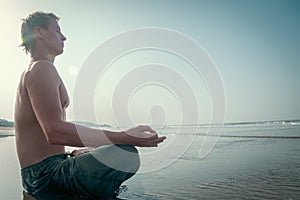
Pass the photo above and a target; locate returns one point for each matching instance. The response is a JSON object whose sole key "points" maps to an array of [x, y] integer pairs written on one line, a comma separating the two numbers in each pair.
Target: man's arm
{"points": [[43, 84]]}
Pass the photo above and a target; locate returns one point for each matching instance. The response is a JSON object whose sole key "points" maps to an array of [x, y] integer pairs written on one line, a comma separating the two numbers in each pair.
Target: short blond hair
{"points": [[40, 19]]}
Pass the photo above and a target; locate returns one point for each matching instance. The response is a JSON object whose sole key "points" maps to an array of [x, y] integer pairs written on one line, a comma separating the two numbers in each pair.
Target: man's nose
{"points": [[63, 37]]}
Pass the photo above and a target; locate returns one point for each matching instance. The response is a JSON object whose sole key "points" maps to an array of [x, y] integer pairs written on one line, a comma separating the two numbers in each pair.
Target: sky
{"points": [[254, 45]]}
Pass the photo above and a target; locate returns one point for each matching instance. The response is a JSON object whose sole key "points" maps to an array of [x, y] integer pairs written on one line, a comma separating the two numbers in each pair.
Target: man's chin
{"points": [[60, 52]]}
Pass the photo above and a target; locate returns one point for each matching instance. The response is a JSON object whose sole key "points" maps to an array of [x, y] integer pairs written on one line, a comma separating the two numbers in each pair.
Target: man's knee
{"points": [[119, 157], [128, 147], [131, 158]]}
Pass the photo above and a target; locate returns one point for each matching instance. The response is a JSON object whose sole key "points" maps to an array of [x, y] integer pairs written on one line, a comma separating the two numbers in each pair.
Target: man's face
{"points": [[54, 39]]}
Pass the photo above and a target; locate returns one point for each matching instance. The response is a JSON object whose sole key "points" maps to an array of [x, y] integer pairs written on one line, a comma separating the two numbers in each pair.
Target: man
{"points": [[42, 132]]}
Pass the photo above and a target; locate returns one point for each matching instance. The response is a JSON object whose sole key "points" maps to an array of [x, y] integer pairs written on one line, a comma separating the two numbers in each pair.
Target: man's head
{"points": [[35, 26]]}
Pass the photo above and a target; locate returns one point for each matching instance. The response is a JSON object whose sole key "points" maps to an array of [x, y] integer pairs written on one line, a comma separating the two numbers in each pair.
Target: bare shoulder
{"points": [[41, 71], [41, 68]]}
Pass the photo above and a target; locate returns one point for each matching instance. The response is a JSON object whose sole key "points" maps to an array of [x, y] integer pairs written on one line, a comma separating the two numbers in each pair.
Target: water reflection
{"points": [[27, 196]]}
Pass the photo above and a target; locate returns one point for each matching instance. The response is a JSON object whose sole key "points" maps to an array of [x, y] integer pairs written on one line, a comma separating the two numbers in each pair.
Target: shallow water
{"points": [[259, 162]]}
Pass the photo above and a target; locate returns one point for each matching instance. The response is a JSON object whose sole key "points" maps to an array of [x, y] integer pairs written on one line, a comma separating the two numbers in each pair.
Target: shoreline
{"points": [[236, 167], [6, 128]]}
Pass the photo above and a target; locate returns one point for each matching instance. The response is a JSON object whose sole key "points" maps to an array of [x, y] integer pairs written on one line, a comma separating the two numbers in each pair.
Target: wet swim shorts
{"points": [[94, 175]]}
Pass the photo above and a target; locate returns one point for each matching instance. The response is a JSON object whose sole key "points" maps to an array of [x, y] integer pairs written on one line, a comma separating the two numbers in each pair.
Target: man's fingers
{"points": [[156, 141], [144, 136], [146, 128], [153, 136], [160, 139]]}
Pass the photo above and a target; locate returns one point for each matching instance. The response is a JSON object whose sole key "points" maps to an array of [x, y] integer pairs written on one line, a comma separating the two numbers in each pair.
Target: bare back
{"points": [[31, 142]]}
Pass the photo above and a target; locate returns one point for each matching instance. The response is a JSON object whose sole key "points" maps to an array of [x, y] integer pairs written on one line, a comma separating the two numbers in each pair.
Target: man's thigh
{"points": [[102, 171]]}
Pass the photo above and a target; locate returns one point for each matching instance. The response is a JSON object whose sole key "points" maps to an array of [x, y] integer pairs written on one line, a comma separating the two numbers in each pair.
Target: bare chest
{"points": [[64, 98]]}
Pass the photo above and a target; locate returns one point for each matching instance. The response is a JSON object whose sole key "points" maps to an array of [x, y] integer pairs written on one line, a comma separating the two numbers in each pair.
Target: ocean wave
{"points": [[238, 124], [6, 135]]}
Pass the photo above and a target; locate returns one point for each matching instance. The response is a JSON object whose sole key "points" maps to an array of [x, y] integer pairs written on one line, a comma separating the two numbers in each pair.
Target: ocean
{"points": [[254, 160]]}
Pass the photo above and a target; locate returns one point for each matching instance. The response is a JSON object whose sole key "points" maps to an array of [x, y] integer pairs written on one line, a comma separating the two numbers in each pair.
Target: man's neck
{"points": [[34, 59], [40, 55]]}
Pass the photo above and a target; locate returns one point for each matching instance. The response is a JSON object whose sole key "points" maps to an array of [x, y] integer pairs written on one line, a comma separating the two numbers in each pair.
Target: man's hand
{"points": [[77, 152], [143, 136]]}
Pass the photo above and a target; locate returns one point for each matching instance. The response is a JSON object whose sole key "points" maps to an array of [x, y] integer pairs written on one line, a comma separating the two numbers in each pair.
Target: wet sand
{"points": [[241, 167]]}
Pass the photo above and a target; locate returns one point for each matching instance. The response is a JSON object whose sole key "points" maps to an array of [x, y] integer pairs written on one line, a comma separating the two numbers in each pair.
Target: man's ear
{"points": [[38, 32]]}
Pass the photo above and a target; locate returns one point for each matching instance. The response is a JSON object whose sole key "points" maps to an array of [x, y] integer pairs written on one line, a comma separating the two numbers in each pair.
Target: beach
{"points": [[249, 161]]}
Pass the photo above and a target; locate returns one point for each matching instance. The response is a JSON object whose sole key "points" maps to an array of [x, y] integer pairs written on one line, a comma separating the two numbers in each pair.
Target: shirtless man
{"points": [[42, 132]]}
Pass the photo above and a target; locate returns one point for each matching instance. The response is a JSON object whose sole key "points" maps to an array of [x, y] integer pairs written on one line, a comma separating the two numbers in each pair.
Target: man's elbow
{"points": [[51, 132], [53, 140]]}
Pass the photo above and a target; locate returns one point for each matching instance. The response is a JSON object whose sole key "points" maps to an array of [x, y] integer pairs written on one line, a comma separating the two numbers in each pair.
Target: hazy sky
{"points": [[255, 45]]}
